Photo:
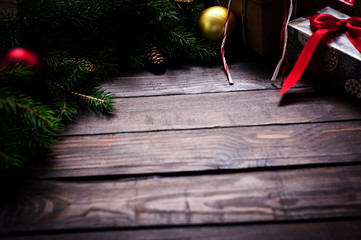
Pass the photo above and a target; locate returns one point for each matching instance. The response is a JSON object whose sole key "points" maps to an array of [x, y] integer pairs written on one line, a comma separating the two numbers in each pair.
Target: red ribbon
{"points": [[322, 24]]}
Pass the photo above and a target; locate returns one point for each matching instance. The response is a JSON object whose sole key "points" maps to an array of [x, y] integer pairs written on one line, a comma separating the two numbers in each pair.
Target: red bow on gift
{"points": [[322, 24]]}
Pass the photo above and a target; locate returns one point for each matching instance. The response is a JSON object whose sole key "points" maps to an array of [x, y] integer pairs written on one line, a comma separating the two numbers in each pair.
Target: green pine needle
{"points": [[31, 128]]}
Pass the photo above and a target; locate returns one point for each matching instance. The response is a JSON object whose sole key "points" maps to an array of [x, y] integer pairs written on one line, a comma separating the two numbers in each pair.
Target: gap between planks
{"points": [[321, 230]]}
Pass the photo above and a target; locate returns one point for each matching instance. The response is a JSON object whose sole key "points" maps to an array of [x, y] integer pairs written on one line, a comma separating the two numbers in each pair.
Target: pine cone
{"points": [[154, 57], [89, 67]]}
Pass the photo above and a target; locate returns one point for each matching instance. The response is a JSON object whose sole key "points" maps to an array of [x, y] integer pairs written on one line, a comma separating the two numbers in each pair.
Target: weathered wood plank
{"points": [[243, 197], [197, 79], [193, 79], [207, 149], [219, 110], [349, 230]]}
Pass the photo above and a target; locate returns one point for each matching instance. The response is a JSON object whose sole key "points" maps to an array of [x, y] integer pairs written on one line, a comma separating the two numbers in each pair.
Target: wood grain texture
{"points": [[193, 79], [206, 149], [230, 198], [337, 230], [219, 110]]}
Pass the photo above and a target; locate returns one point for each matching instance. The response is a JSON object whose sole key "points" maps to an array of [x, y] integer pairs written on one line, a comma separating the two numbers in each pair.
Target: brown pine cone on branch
{"points": [[154, 57]]}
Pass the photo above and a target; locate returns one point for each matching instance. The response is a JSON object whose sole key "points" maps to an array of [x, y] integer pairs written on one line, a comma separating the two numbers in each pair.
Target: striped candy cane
{"points": [[223, 44]]}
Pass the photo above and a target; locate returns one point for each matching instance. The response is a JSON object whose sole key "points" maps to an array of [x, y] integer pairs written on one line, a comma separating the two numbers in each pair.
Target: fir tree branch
{"points": [[28, 128], [63, 110], [32, 111], [95, 98], [19, 70], [89, 97], [79, 94], [68, 109]]}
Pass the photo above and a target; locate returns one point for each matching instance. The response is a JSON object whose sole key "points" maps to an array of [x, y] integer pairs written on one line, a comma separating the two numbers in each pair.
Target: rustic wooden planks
{"points": [[190, 80], [349, 230], [249, 75], [155, 169], [314, 193], [218, 110], [204, 149]]}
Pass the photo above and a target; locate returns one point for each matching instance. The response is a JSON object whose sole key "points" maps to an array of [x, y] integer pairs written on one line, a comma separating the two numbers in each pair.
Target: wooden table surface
{"points": [[187, 156]]}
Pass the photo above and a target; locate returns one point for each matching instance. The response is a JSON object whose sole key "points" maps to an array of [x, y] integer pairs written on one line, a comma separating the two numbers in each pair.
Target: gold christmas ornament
{"points": [[211, 23]]}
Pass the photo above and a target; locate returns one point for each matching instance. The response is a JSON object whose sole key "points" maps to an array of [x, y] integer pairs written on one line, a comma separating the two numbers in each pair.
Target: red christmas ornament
{"points": [[27, 57]]}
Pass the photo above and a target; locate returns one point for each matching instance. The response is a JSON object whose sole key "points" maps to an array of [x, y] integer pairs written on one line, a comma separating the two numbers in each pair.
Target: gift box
{"points": [[350, 7], [263, 20], [337, 60]]}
